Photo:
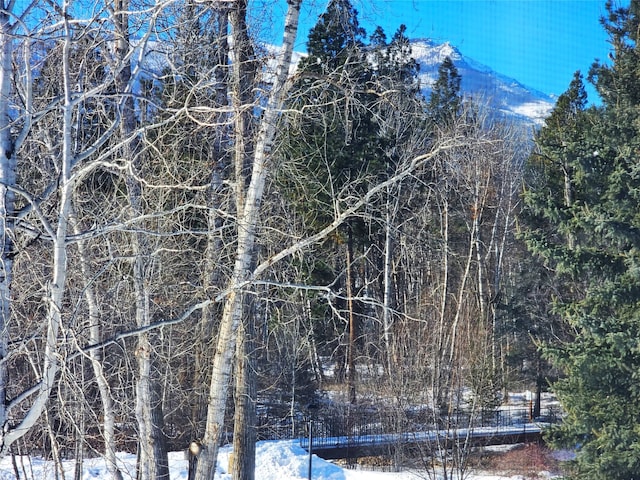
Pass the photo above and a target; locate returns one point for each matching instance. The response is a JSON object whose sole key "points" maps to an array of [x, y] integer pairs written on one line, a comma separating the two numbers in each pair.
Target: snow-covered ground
{"points": [[275, 460]]}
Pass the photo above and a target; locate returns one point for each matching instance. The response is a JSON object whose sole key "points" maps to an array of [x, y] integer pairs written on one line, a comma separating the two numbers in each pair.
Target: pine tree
{"points": [[582, 204], [339, 147], [338, 135], [350, 94], [393, 62], [348, 138], [555, 167], [335, 41], [445, 101]]}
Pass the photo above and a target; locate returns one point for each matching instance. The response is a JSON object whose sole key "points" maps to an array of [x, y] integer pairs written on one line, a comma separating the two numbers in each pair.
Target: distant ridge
{"points": [[502, 94]]}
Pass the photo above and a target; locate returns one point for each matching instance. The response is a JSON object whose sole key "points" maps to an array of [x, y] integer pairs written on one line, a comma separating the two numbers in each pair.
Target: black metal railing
{"points": [[365, 427]]}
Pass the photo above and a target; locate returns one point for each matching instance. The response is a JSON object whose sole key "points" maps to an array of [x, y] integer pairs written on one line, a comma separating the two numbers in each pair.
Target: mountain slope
{"points": [[502, 94]]}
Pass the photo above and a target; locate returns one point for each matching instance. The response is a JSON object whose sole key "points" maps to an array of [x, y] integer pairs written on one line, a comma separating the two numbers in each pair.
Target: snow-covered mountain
{"points": [[502, 94]]}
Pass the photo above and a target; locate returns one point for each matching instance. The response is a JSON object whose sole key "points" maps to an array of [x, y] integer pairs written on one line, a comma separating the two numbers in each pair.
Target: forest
{"points": [[202, 235]]}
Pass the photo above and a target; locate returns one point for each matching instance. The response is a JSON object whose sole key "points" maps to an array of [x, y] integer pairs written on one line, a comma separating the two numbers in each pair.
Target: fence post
{"points": [[312, 409]]}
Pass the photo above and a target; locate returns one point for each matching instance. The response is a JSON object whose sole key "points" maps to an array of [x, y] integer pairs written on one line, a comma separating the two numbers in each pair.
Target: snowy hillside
{"points": [[501, 93]]}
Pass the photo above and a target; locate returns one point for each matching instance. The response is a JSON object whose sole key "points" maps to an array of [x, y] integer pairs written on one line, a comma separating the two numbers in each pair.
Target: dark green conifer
{"points": [[582, 217], [342, 133], [445, 101], [337, 136], [336, 39]]}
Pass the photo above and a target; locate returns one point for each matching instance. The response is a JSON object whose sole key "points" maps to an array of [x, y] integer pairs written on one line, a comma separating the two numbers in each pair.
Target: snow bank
{"points": [[275, 460]]}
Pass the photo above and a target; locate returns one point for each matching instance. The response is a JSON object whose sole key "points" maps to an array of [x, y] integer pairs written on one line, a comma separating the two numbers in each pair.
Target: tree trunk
{"points": [[242, 82], [540, 380], [439, 370], [212, 276], [247, 223], [244, 421], [7, 201], [351, 348], [95, 355], [55, 294], [153, 458], [387, 293]]}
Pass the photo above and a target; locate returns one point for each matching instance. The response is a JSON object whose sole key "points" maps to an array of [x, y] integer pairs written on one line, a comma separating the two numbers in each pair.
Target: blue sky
{"points": [[541, 43]]}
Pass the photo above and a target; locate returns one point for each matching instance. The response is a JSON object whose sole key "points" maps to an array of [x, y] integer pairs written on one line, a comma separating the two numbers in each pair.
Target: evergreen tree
{"points": [[340, 149], [556, 166], [351, 94], [348, 137], [335, 41], [393, 62], [339, 135], [445, 100], [582, 218]]}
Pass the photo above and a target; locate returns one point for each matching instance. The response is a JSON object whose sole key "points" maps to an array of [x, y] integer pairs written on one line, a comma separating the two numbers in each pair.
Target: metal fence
{"points": [[362, 427]]}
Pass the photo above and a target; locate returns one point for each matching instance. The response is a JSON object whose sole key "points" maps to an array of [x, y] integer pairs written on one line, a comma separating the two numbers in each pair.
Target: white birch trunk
{"points": [[95, 356], [7, 178], [212, 274], [8, 164], [247, 224], [461, 293], [387, 293], [439, 355], [57, 282]]}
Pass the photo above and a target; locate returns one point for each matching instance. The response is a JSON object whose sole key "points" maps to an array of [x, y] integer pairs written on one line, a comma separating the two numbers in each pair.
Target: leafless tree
{"points": [[12, 20], [148, 235]]}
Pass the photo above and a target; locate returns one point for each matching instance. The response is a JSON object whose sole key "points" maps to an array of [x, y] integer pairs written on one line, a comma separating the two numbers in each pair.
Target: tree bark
{"points": [[7, 202], [244, 421], [387, 286], [95, 356], [153, 458], [212, 275], [56, 289], [247, 223], [353, 328], [242, 82]]}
